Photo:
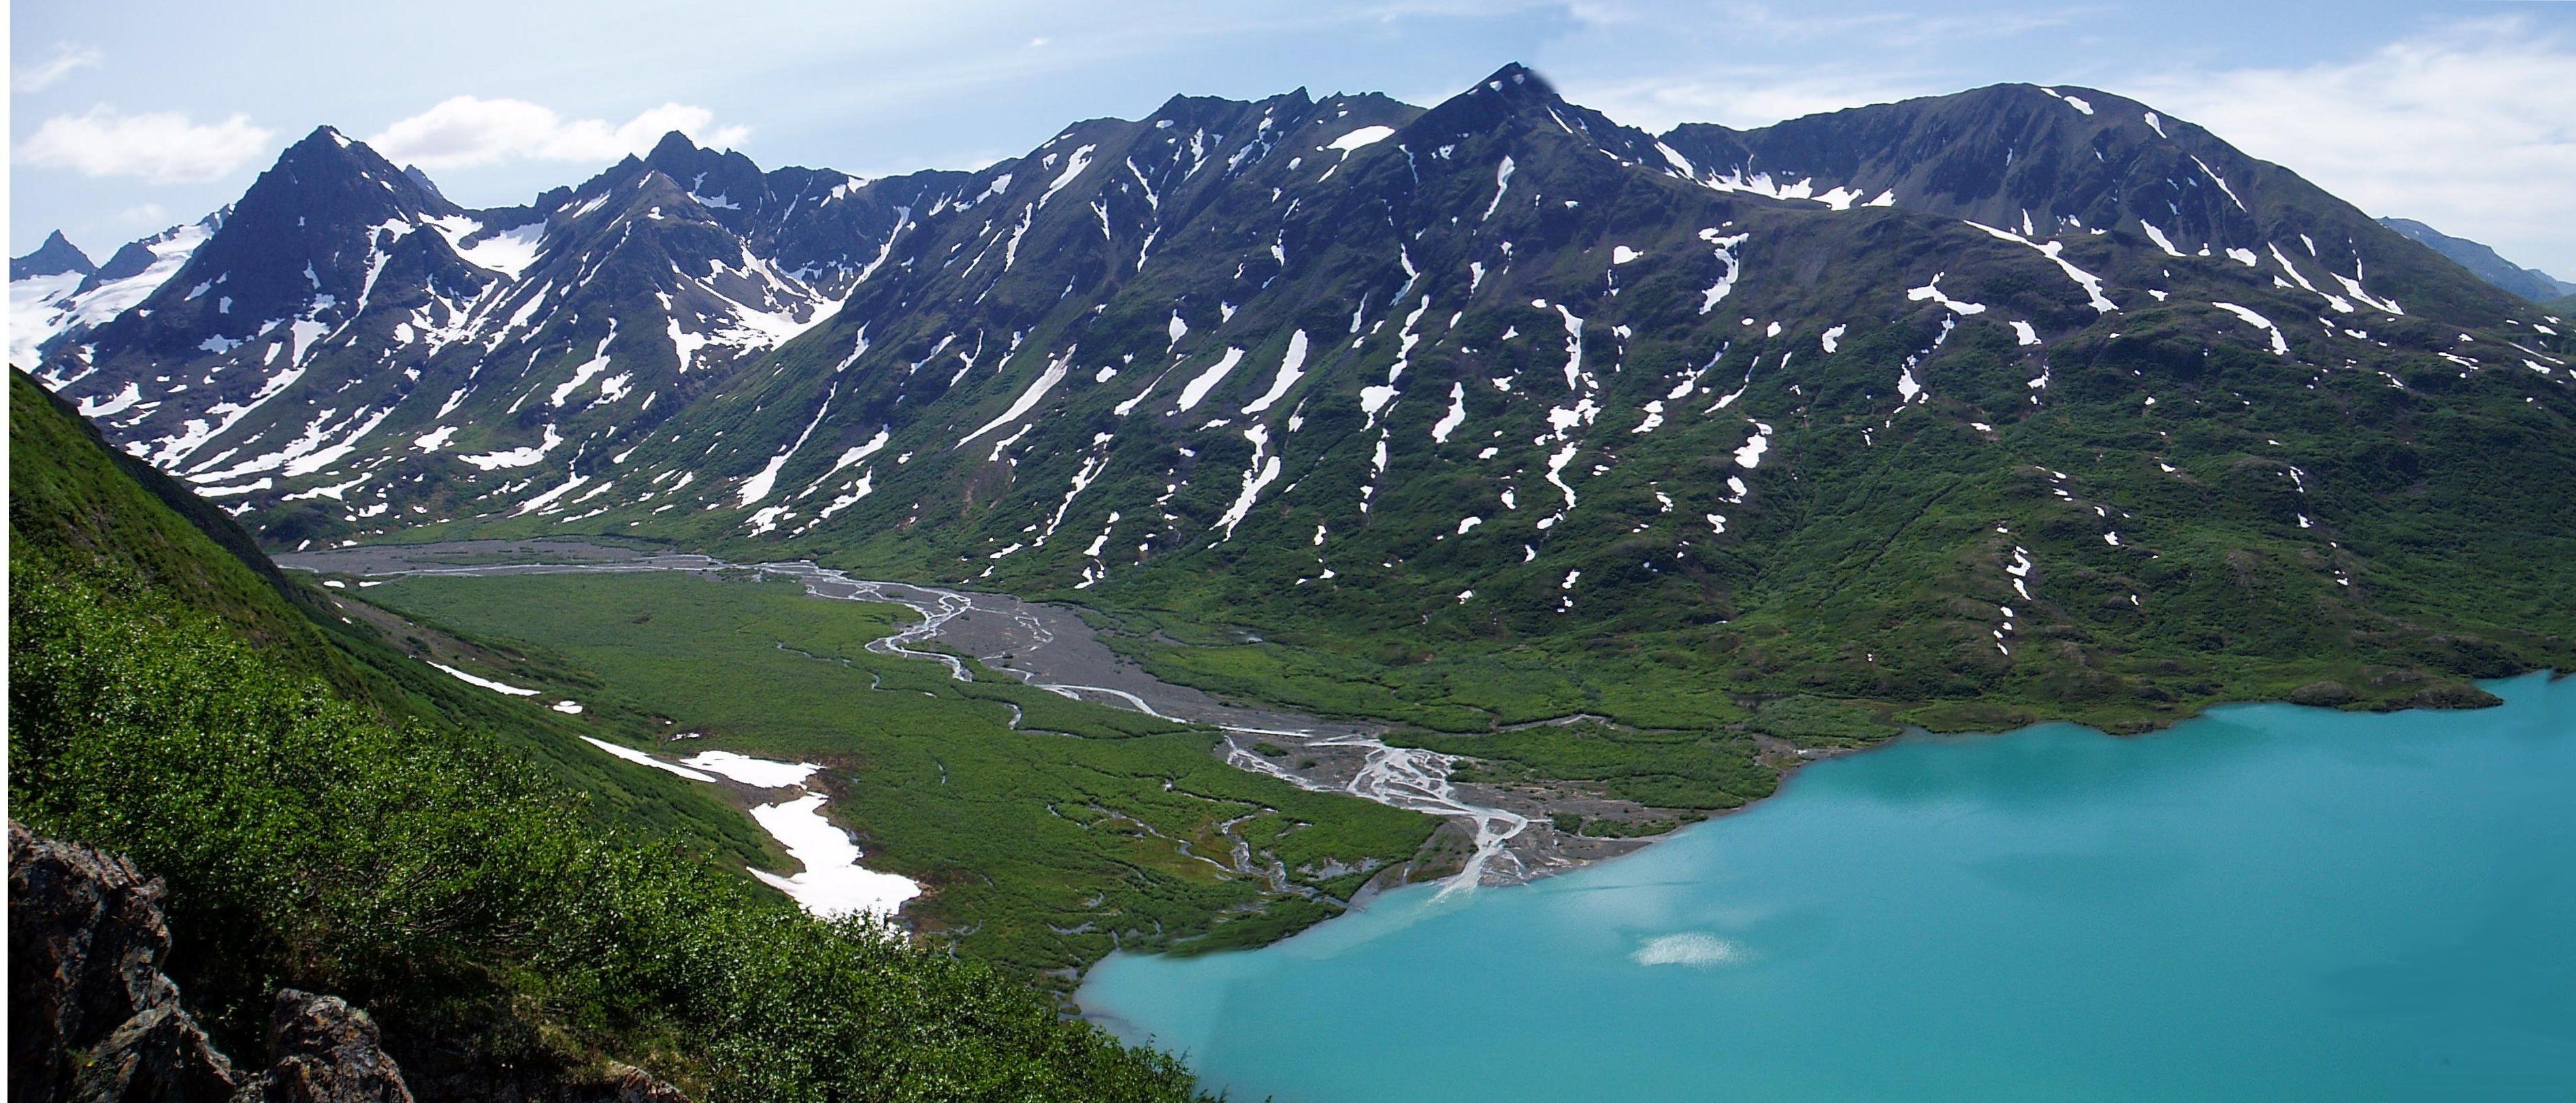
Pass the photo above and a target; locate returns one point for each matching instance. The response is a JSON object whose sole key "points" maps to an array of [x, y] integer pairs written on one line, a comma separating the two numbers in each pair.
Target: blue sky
{"points": [[129, 115]]}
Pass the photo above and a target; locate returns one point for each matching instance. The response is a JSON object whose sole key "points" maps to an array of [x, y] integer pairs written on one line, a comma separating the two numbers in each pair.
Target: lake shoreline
{"points": [[1533, 850], [2305, 900]]}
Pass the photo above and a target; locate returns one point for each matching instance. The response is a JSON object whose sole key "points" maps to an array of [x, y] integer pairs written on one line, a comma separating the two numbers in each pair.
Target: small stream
{"points": [[1051, 648]]}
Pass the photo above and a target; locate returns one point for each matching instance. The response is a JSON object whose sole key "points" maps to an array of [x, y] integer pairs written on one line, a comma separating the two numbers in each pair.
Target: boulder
{"points": [[161, 1056], [327, 1052], [92, 1016]]}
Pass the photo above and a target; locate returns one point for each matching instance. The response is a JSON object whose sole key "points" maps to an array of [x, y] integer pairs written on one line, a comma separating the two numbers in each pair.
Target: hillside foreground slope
{"points": [[168, 704]]}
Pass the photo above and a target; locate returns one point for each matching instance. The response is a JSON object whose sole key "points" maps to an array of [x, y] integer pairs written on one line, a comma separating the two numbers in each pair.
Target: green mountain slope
{"points": [[165, 704], [78, 508], [1559, 429], [1963, 411]]}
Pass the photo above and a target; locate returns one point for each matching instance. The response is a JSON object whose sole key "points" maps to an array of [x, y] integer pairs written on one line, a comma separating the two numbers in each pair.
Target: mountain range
{"points": [[2530, 283], [2019, 402]]}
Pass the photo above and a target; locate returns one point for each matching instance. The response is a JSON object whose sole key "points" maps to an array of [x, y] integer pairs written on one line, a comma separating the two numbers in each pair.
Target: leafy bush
{"points": [[472, 907]]}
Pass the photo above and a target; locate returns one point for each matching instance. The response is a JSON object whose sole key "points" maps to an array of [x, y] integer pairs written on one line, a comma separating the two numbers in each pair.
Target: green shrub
{"points": [[467, 901]]}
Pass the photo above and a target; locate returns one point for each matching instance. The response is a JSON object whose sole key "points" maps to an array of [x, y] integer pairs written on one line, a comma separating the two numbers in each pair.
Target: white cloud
{"points": [[43, 74], [1771, 65], [467, 130], [2467, 128], [1738, 97], [2462, 125], [164, 147]]}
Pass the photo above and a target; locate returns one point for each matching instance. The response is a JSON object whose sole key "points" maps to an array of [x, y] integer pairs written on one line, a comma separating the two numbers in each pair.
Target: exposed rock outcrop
{"points": [[327, 1052], [92, 1016]]}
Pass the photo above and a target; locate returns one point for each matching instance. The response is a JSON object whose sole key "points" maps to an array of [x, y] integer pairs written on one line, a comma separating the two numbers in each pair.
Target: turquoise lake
{"points": [[2268, 903]]}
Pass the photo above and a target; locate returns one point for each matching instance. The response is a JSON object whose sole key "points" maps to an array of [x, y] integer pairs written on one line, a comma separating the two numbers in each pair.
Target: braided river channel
{"points": [[2268, 903]]}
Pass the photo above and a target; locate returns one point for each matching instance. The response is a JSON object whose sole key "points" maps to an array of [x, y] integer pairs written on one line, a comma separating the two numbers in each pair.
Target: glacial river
{"points": [[2270, 903], [1046, 646]]}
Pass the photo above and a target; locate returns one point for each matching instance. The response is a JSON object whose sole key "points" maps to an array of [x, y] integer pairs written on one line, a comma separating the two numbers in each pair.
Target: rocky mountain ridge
{"points": [[2479, 258], [1499, 369]]}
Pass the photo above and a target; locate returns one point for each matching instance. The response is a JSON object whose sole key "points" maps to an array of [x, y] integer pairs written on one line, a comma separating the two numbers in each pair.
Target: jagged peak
{"points": [[327, 133], [1511, 90], [327, 152], [1295, 101], [629, 171], [56, 256], [1214, 109], [1179, 104], [673, 144], [416, 176], [702, 170], [301, 232], [1515, 97], [325, 145], [1514, 75]]}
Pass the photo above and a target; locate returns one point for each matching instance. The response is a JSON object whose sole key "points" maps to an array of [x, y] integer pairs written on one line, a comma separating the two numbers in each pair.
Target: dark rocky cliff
{"points": [[93, 1017]]}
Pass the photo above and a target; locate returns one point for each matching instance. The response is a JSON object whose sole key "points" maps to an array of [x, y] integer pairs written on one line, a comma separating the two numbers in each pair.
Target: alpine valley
{"points": [[1623, 471]]}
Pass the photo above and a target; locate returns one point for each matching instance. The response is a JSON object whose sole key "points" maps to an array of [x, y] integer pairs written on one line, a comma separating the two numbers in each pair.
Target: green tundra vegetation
{"points": [[167, 703], [1048, 831], [77, 508], [1916, 472], [2320, 536], [1512, 415]]}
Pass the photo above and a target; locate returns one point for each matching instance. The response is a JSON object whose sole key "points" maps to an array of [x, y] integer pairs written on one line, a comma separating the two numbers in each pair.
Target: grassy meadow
{"points": [[1044, 846]]}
